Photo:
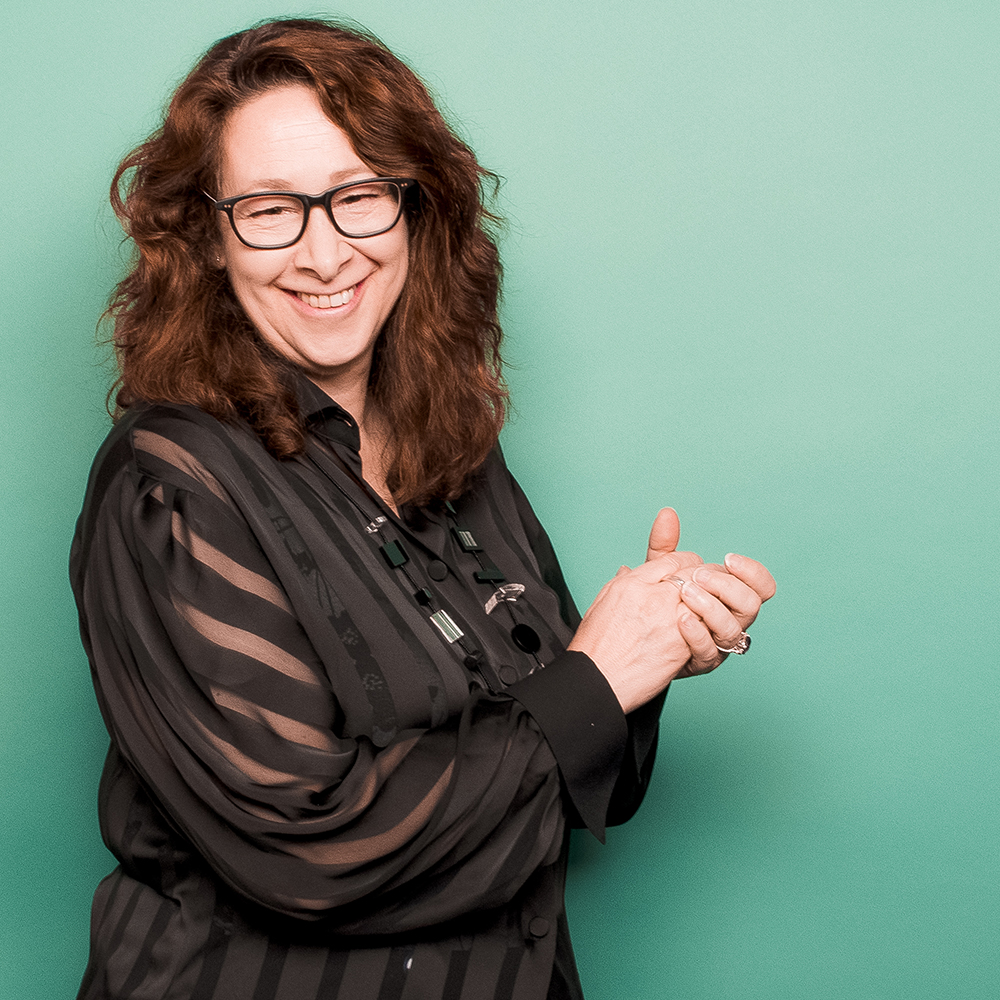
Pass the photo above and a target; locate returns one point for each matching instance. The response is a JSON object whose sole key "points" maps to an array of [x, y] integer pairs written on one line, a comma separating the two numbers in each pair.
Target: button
{"points": [[437, 570], [507, 673], [538, 927]]}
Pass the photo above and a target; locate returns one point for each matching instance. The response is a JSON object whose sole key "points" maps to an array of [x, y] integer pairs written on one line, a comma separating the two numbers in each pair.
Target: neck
{"points": [[355, 400], [375, 437], [352, 395], [348, 389]]}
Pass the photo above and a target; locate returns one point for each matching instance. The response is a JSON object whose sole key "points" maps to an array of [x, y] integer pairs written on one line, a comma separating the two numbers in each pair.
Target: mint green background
{"points": [[752, 273]]}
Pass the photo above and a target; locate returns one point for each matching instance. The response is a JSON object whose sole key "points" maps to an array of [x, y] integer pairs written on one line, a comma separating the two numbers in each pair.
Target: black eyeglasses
{"points": [[272, 220]]}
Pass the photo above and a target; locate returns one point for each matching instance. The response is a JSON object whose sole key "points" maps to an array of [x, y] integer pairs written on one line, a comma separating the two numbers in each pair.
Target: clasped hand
{"points": [[666, 618]]}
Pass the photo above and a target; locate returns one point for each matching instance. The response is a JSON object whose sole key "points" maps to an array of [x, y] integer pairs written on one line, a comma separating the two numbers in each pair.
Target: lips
{"points": [[328, 301]]}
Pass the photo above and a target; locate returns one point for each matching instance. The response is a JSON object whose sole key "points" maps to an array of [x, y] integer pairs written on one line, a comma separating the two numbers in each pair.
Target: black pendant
{"points": [[489, 574], [526, 638], [466, 539], [394, 553]]}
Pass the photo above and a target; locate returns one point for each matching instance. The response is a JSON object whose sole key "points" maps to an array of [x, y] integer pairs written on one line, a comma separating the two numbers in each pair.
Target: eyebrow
{"points": [[280, 184]]}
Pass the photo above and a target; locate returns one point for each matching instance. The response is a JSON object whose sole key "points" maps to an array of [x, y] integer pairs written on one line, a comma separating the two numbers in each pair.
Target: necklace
{"points": [[523, 635], [397, 558]]}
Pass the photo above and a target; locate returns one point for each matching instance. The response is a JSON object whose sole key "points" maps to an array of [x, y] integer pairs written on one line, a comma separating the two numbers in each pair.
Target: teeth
{"points": [[328, 301]]}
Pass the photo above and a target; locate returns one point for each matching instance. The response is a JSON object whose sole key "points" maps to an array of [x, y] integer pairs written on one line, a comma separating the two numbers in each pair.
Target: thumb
{"points": [[665, 535]]}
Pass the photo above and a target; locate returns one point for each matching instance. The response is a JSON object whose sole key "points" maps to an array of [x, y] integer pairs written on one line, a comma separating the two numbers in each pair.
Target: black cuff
{"points": [[584, 725]]}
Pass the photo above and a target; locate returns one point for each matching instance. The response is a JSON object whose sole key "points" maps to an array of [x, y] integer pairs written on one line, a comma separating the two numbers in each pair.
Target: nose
{"points": [[322, 250]]}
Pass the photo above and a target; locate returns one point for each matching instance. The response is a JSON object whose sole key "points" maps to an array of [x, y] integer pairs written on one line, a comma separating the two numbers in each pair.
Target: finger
{"points": [[741, 600], [663, 566], [704, 655], [687, 573], [753, 574], [726, 629], [665, 534]]}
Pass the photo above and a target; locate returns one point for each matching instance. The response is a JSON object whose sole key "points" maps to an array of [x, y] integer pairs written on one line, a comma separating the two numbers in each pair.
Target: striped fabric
{"points": [[309, 793]]}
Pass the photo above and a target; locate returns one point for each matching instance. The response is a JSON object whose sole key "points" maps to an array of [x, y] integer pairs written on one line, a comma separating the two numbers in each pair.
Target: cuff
{"points": [[585, 727]]}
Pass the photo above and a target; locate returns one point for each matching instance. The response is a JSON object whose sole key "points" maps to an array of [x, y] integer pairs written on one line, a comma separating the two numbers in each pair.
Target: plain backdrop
{"points": [[751, 272]]}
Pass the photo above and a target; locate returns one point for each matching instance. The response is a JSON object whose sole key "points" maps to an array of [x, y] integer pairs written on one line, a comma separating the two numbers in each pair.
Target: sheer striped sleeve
{"points": [[218, 701]]}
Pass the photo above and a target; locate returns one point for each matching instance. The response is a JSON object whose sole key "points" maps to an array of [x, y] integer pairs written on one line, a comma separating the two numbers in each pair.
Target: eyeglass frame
{"points": [[311, 201]]}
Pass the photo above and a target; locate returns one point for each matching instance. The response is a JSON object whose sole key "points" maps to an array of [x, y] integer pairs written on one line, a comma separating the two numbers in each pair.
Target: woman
{"points": [[316, 604]]}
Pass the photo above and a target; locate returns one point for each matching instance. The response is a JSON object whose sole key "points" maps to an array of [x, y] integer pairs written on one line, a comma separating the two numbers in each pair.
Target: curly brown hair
{"points": [[180, 334]]}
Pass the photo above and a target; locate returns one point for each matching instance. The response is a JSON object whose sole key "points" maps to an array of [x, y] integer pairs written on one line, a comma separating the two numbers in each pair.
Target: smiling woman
{"points": [[322, 300], [353, 709], [259, 114]]}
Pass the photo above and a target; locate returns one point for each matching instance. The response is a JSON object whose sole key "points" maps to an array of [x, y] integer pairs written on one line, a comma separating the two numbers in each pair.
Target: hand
{"points": [[633, 634], [663, 539], [726, 599], [637, 631]]}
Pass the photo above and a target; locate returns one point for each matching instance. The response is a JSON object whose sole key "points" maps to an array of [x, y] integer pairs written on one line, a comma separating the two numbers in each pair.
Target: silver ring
{"points": [[676, 581], [742, 645]]}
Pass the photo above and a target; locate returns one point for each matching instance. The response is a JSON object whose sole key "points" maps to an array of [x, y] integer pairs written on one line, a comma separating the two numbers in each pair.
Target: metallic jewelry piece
{"points": [[373, 526], [466, 539], [677, 582], [742, 645], [508, 592], [446, 626]]}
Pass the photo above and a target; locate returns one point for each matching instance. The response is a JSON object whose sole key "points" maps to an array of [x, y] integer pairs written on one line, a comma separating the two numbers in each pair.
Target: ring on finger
{"points": [[677, 582], [741, 645]]}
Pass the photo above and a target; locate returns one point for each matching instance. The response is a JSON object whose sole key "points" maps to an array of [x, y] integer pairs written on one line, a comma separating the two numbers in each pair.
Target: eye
{"points": [[260, 211], [264, 208], [268, 219], [358, 197]]}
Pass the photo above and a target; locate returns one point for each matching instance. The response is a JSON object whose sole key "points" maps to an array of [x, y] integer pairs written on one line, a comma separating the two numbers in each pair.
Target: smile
{"points": [[328, 301]]}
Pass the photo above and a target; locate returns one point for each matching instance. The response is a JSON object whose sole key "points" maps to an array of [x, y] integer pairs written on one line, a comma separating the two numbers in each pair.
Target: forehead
{"points": [[284, 136]]}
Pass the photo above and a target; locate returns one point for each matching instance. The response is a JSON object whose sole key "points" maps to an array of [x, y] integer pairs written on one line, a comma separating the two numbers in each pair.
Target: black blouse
{"points": [[310, 791]]}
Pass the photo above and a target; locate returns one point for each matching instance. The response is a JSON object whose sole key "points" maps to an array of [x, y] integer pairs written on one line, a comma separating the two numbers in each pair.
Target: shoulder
{"points": [[177, 445], [494, 494], [496, 480], [492, 476], [166, 468], [172, 450]]}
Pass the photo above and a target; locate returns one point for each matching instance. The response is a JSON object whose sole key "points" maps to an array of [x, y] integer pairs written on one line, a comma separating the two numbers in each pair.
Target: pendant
{"points": [[446, 626], [508, 592], [526, 638]]}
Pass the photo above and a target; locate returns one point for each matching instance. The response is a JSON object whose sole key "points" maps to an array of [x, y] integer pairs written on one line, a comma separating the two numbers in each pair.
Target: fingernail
{"points": [[686, 618], [731, 559], [699, 575]]}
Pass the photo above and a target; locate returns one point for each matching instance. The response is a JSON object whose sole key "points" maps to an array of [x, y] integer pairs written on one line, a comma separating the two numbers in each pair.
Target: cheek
{"points": [[401, 264], [400, 248], [404, 270], [249, 274]]}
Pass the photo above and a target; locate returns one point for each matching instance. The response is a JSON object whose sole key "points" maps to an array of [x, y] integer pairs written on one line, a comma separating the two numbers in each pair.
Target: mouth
{"points": [[333, 301]]}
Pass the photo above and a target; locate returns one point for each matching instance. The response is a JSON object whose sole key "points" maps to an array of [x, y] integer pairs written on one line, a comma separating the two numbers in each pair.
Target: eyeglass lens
{"points": [[360, 210]]}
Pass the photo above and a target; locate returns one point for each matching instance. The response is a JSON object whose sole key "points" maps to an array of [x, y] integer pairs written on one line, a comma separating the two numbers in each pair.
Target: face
{"points": [[322, 302]]}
